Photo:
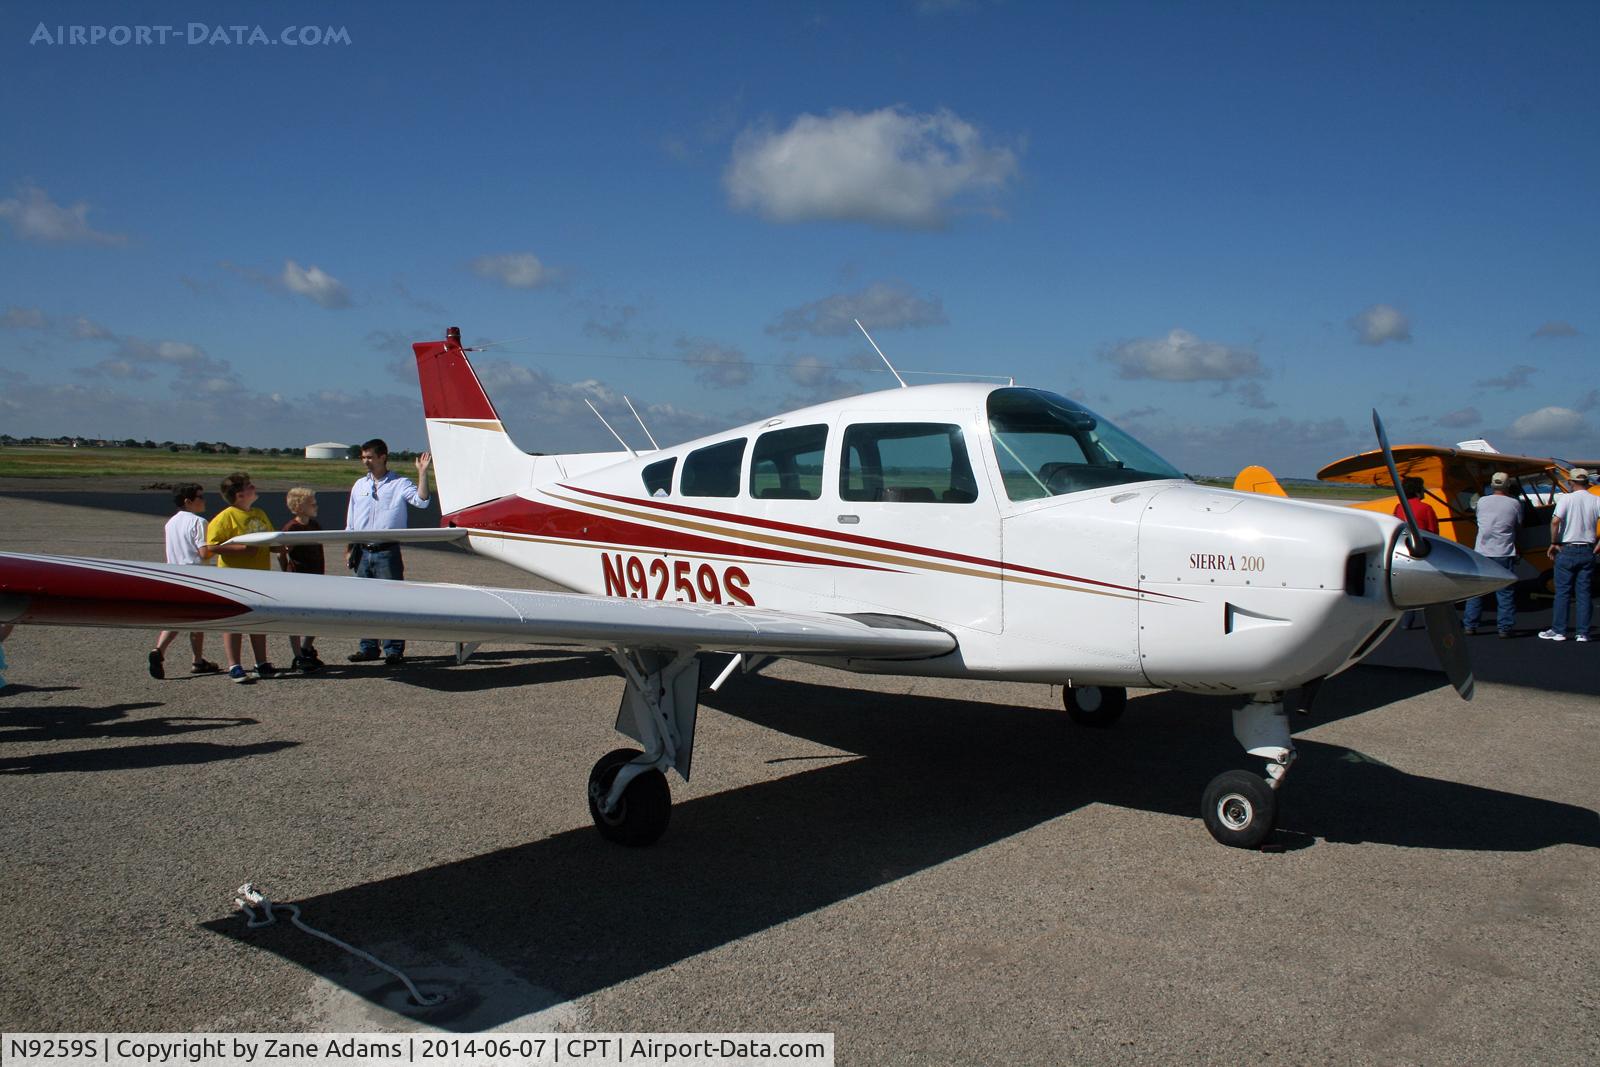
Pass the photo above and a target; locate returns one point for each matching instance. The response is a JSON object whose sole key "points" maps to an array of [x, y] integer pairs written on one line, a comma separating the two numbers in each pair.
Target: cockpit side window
{"points": [[1046, 445], [906, 462], [713, 470], [787, 464], [658, 477]]}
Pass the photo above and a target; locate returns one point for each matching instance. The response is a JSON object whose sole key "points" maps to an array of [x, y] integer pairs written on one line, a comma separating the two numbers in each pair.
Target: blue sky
{"points": [[1233, 229]]}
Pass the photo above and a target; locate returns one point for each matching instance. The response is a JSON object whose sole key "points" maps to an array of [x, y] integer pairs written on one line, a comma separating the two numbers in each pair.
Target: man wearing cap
{"points": [[378, 501], [1499, 517], [1572, 546]]}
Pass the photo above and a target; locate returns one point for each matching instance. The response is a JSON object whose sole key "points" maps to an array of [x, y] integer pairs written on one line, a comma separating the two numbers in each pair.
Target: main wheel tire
{"points": [[1240, 809], [1094, 705], [643, 810]]}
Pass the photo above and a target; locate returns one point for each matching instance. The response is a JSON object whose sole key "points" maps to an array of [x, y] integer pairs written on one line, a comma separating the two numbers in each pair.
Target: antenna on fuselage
{"points": [[642, 426], [607, 425], [881, 356]]}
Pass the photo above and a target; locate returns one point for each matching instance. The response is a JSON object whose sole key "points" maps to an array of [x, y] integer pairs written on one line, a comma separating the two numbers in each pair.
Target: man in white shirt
{"points": [[186, 545], [1499, 518], [1572, 546], [378, 501]]}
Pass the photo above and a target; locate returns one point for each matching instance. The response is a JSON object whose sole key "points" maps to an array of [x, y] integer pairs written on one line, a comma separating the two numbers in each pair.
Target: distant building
{"points": [[328, 450]]}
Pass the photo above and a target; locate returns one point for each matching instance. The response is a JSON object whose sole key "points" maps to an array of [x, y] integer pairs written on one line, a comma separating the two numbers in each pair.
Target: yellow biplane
{"points": [[1453, 479]]}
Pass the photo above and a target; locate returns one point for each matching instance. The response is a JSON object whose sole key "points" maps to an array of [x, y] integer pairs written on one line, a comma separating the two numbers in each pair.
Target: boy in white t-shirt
{"points": [[186, 544]]}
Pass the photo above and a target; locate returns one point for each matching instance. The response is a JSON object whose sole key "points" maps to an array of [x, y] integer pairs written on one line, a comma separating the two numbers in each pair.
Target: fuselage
{"points": [[1052, 545]]}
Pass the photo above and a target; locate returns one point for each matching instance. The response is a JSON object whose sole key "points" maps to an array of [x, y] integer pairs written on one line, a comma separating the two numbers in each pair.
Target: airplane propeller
{"points": [[1419, 547], [1435, 586]]}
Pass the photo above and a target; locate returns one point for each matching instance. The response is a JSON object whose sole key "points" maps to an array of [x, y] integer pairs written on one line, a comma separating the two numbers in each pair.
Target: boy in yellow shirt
{"points": [[241, 517]]}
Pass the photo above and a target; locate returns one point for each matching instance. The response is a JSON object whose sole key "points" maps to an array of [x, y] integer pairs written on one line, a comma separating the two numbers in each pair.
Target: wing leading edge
{"points": [[67, 591]]}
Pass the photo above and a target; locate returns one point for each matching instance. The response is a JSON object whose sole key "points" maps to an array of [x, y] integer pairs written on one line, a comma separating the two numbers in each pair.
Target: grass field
{"points": [[156, 467]]}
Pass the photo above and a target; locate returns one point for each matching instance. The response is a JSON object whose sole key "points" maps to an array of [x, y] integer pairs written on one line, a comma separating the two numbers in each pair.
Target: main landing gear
{"points": [[629, 798], [1239, 808]]}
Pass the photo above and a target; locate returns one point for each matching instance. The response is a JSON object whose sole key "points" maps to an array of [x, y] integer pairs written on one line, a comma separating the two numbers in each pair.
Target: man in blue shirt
{"points": [[378, 501]]}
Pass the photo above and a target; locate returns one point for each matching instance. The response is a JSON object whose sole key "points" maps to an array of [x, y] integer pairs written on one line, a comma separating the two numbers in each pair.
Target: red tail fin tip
{"points": [[450, 387]]}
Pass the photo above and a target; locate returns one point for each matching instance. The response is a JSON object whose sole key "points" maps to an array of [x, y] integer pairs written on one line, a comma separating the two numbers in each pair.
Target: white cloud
{"points": [[1550, 424], [721, 367], [86, 329], [36, 217], [887, 168], [1252, 395], [315, 285], [1182, 357], [1380, 323], [17, 318], [1515, 378], [514, 270], [1556, 328], [880, 306], [1459, 420]]}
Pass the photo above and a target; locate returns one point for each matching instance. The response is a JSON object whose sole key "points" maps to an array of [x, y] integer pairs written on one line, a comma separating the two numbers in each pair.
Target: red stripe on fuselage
{"points": [[81, 594], [517, 514], [855, 539]]}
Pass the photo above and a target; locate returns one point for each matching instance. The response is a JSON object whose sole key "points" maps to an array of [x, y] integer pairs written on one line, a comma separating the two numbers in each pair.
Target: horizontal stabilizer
{"points": [[345, 537]]}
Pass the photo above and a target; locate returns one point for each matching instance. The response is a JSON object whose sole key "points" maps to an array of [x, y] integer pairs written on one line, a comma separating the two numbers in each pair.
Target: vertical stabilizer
{"points": [[474, 459], [1258, 480]]}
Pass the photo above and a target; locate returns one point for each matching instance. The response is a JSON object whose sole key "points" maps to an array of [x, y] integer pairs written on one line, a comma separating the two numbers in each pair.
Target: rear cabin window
{"points": [[658, 477], [906, 462], [714, 470], [787, 464]]}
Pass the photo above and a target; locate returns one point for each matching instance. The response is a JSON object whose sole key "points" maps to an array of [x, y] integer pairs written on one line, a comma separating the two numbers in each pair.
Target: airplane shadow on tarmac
{"points": [[934, 779]]}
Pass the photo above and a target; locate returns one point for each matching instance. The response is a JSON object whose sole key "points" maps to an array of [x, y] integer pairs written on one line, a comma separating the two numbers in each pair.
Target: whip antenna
{"points": [[881, 356], [642, 426], [607, 425]]}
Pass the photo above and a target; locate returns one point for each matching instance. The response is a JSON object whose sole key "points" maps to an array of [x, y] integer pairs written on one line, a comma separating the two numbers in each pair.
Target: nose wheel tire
{"points": [[1240, 809], [643, 810], [1094, 705]]}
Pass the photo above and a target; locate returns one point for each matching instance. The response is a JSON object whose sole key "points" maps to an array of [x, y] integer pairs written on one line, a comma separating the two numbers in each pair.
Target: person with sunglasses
{"points": [[378, 501]]}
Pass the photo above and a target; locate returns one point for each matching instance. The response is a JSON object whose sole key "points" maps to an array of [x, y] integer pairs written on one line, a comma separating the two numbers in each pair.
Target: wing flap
{"points": [[66, 591]]}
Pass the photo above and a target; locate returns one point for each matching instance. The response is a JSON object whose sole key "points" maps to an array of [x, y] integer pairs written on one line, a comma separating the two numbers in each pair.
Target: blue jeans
{"points": [[1574, 574], [1505, 602], [381, 563]]}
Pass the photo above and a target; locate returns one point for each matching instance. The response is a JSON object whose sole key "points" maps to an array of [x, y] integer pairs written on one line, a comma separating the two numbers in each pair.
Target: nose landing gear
{"points": [[1239, 808]]}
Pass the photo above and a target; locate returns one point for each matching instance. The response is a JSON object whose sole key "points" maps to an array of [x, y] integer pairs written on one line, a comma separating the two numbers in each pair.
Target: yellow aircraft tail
{"points": [[1255, 479]]}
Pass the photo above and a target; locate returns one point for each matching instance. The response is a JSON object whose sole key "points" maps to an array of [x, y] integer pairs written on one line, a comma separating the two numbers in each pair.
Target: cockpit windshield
{"points": [[1047, 445]]}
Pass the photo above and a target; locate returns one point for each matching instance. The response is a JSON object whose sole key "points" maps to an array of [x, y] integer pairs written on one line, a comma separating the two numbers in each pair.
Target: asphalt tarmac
{"points": [[937, 872]]}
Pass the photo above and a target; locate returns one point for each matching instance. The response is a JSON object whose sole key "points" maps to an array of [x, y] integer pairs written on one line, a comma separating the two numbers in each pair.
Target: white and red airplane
{"points": [[960, 531]]}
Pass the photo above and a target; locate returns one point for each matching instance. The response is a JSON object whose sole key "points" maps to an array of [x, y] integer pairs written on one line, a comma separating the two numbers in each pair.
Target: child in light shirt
{"points": [[186, 545]]}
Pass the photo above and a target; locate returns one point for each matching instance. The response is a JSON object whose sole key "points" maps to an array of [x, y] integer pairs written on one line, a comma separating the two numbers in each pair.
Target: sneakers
{"points": [[1551, 635], [307, 664], [156, 669], [204, 666], [1581, 637], [265, 671], [1470, 631], [1505, 635], [393, 659], [237, 674], [363, 656]]}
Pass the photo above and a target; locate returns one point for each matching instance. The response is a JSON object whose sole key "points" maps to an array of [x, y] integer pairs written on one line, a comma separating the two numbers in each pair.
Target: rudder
{"points": [[474, 458]]}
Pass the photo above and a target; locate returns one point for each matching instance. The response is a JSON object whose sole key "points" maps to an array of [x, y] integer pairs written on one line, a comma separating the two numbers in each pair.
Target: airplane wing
{"points": [[425, 535], [67, 591]]}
